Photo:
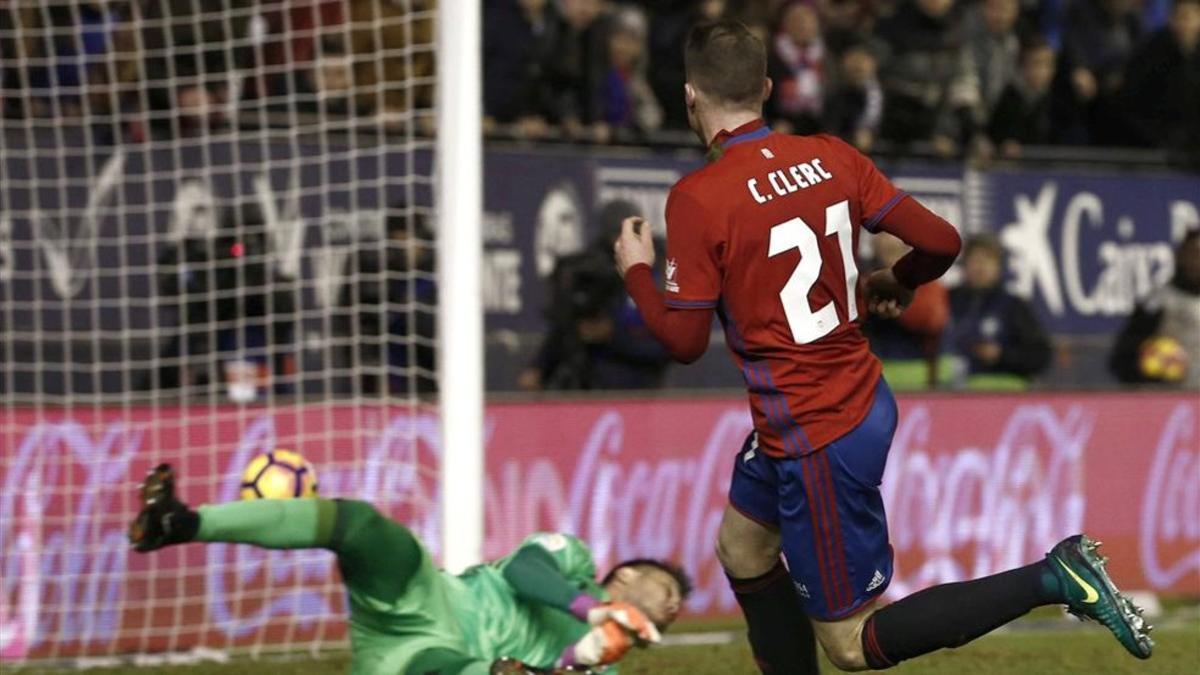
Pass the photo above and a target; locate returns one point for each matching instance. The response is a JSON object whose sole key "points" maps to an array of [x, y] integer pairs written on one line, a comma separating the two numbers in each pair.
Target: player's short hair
{"points": [[727, 62], [681, 577]]}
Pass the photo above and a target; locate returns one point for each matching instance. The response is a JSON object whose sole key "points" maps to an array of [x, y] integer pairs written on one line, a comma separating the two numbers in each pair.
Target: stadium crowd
{"points": [[964, 76], [959, 77]]}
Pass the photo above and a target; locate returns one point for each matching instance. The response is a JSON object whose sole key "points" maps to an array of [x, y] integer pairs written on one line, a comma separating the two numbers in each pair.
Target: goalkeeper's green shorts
{"points": [[401, 620]]}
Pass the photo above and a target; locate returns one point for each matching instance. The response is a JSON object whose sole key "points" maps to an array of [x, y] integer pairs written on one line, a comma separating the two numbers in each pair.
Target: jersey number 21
{"points": [[807, 325]]}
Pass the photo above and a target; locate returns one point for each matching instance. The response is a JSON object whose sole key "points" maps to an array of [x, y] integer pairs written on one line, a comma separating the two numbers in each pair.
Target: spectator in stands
{"points": [[10, 54], [1024, 113], [304, 60], [396, 299], [328, 86], [669, 25], [392, 47], [847, 23], [582, 65], [995, 331], [992, 36], [928, 78], [64, 42], [362, 57], [1169, 315], [630, 108], [1162, 84], [596, 338], [854, 108], [796, 63], [1098, 37], [521, 40], [187, 63], [910, 346]]}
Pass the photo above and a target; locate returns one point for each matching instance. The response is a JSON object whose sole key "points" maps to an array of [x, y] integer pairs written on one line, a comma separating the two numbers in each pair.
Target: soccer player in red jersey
{"points": [[765, 235]]}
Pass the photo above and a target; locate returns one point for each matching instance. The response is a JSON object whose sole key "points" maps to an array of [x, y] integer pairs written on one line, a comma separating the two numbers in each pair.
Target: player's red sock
{"points": [[952, 615], [781, 635]]}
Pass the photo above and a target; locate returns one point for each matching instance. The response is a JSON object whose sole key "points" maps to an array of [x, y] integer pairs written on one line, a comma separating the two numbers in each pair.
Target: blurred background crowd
{"points": [[957, 79], [977, 78]]}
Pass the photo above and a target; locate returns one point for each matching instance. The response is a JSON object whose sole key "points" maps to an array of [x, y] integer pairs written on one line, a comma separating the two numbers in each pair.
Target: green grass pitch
{"points": [[1086, 650]]}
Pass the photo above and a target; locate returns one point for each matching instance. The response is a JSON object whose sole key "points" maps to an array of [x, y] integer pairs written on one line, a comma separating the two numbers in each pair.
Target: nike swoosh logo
{"points": [[1092, 596]]}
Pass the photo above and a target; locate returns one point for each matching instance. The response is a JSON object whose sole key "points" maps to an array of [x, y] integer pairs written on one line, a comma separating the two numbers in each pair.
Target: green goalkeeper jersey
{"points": [[495, 621]]}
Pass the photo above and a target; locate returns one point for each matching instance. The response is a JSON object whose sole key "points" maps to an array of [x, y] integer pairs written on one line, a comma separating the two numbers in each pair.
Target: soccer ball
{"points": [[279, 474], [1163, 358]]}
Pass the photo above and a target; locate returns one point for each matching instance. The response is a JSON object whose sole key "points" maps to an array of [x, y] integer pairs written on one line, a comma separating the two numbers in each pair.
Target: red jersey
{"points": [[767, 235]]}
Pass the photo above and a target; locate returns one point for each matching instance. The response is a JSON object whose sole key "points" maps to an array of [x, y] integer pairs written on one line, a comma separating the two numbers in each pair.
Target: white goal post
{"points": [[459, 195]]}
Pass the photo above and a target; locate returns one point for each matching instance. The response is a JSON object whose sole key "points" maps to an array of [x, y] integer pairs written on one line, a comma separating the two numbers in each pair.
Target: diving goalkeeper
{"points": [[539, 610]]}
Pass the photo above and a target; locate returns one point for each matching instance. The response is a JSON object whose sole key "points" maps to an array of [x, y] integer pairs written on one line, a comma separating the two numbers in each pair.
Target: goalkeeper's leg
{"points": [[378, 556], [398, 606]]}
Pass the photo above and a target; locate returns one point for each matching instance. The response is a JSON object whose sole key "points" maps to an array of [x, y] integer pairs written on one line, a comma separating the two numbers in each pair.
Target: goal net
{"points": [[218, 237]]}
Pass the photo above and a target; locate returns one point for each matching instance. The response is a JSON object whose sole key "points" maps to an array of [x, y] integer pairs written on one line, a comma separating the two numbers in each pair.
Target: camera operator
{"points": [[222, 289], [596, 338], [388, 311]]}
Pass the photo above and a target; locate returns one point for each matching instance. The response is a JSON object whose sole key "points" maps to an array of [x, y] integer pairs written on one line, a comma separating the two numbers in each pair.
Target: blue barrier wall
{"points": [[83, 234]]}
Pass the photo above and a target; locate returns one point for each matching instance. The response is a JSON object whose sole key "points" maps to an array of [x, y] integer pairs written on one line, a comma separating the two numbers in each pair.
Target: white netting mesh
{"points": [[215, 240]]}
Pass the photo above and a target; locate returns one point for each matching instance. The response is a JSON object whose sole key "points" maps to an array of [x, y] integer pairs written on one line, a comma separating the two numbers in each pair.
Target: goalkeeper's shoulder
{"points": [[568, 553]]}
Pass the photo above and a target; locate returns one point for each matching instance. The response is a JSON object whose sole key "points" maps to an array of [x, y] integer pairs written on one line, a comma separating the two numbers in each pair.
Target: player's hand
{"points": [[635, 245], [886, 296], [628, 617], [600, 646]]}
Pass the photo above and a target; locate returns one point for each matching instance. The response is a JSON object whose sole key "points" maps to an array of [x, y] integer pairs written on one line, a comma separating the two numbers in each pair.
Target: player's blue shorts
{"points": [[829, 511]]}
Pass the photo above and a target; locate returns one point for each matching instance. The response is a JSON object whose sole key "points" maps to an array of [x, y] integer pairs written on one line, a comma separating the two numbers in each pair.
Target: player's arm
{"points": [[534, 575], [547, 569], [681, 321], [682, 332], [550, 568], [935, 243]]}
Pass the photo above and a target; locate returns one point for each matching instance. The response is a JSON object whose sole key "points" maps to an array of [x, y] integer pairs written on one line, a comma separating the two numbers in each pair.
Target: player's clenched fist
{"points": [[886, 296], [603, 644], [635, 245]]}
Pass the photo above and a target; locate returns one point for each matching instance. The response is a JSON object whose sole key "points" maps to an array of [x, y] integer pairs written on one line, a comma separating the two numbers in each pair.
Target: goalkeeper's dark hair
{"points": [[681, 577]]}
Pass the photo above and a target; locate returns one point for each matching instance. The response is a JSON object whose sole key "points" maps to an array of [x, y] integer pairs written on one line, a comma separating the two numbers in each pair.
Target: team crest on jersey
{"points": [[671, 283], [767, 153]]}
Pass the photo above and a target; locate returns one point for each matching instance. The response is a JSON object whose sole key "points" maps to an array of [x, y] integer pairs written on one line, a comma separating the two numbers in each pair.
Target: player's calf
{"points": [[780, 634], [843, 640]]}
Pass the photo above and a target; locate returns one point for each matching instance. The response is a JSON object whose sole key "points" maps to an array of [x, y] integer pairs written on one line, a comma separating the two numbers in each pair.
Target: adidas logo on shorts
{"points": [[876, 581], [801, 589]]}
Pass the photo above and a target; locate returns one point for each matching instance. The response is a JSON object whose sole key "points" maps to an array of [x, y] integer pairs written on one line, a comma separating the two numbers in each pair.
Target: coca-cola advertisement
{"points": [[973, 485]]}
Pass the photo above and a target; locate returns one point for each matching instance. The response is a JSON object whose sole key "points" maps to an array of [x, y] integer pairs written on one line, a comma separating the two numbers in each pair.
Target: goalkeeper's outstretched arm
{"points": [[535, 576]]}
